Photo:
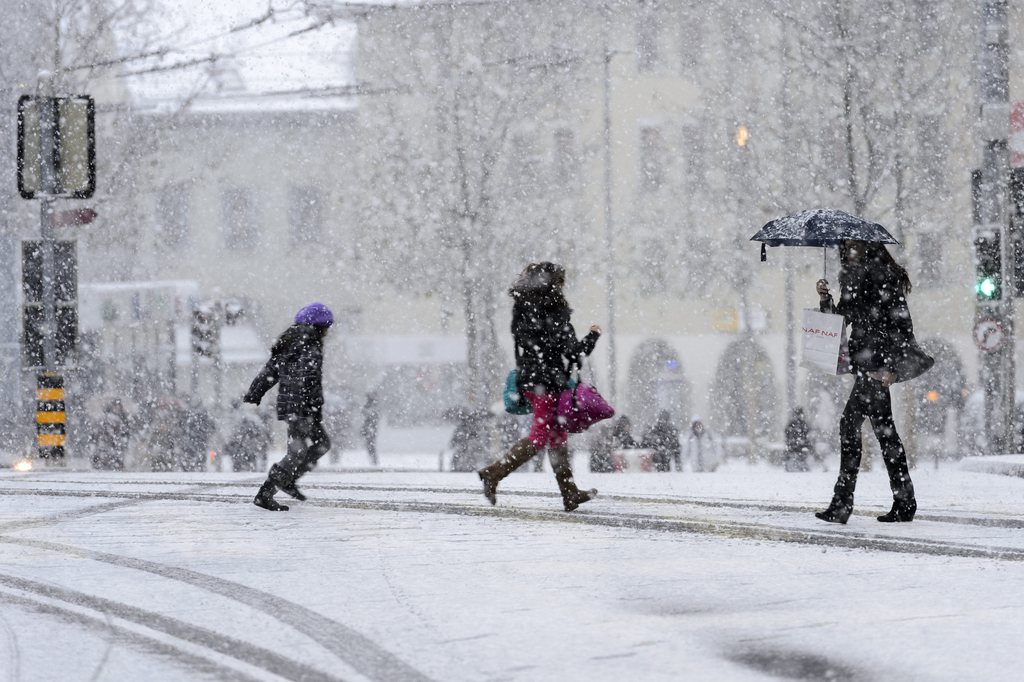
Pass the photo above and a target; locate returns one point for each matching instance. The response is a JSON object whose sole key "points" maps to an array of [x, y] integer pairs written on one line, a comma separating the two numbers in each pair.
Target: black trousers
{"points": [[307, 443], [870, 399]]}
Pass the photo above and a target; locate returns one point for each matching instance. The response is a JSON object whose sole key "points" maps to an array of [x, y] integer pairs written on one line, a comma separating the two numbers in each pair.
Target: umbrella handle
{"points": [[824, 262]]}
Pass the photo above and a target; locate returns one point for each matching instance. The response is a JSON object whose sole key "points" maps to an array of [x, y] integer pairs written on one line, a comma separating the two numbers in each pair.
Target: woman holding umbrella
{"points": [[883, 351]]}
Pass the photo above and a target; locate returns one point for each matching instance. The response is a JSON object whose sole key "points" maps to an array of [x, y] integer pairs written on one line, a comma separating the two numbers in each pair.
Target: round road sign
{"points": [[989, 334]]}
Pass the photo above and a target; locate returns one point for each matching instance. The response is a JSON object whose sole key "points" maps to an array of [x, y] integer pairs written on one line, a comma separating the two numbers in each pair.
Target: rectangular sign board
{"points": [[73, 148]]}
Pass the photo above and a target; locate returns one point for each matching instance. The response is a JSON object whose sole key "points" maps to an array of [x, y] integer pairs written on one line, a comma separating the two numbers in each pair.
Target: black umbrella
{"points": [[819, 227]]}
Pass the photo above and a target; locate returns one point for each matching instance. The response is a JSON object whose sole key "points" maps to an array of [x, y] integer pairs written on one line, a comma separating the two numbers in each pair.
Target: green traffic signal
{"points": [[987, 288]]}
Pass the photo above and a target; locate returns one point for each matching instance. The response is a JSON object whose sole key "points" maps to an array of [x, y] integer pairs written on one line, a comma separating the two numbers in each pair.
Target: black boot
{"points": [[838, 511], [841, 507], [577, 498], [904, 503], [285, 482], [901, 512], [265, 497], [904, 506], [572, 497], [518, 454]]}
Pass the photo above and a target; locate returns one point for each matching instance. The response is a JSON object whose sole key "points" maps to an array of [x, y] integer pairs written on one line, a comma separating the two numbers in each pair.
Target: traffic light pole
{"points": [[51, 419], [48, 176], [994, 307]]}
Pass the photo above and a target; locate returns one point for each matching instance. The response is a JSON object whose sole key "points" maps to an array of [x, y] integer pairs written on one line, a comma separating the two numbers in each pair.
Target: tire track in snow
{"points": [[156, 622], [13, 654], [992, 521], [846, 538], [131, 638], [362, 654]]}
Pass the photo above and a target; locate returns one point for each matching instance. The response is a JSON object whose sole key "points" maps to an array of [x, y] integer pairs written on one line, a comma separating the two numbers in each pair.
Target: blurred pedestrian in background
{"points": [[702, 448], [601, 447], [371, 420], [663, 440], [469, 438], [198, 428], [798, 442], [165, 433], [112, 437]]}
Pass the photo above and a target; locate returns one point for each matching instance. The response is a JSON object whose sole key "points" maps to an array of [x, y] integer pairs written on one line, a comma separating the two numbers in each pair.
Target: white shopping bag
{"points": [[824, 342]]}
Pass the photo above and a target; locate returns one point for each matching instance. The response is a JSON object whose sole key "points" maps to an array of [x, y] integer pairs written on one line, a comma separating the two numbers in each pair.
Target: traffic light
{"points": [[988, 261], [1016, 289], [205, 331], [64, 328]]}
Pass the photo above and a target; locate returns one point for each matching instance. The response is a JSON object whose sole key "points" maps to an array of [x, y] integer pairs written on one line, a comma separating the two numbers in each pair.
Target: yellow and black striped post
{"points": [[51, 420]]}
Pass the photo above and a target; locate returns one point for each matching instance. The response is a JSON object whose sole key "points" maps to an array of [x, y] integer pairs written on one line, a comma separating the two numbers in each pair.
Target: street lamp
{"points": [[609, 229], [742, 137], [743, 141]]}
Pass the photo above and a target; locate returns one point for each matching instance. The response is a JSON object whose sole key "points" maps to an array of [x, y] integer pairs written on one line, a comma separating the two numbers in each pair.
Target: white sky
{"points": [[263, 60]]}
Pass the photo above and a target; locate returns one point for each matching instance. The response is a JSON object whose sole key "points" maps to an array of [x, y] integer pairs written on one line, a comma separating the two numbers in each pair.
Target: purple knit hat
{"points": [[316, 314]]}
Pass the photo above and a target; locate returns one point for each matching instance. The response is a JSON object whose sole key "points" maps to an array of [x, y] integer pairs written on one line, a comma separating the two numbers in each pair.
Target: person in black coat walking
{"points": [[546, 350], [882, 351], [371, 420], [798, 441], [296, 366], [663, 440], [199, 427], [112, 437]]}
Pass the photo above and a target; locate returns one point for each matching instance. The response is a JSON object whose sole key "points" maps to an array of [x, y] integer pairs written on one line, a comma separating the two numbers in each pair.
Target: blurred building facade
{"points": [[719, 118], [450, 143]]}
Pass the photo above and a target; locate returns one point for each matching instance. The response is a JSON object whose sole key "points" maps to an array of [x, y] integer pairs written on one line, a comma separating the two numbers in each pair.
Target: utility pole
{"points": [[56, 158], [994, 323], [609, 227], [48, 176]]}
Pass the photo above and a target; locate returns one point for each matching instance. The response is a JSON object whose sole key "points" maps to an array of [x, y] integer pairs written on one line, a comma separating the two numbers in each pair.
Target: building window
{"points": [[652, 262], [691, 40], [565, 161], [525, 164], [929, 251], [172, 208], [652, 158], [931, 152], [692, 156], [239, 214], [305, 215], [647, 36]]}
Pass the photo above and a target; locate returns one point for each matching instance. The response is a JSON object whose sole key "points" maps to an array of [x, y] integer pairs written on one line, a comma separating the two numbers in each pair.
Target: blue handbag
{"points": [[514, 402]]}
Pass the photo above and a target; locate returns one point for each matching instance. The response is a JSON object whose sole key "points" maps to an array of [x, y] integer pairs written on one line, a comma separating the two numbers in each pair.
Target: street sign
{"points": [[73, 147], [76, 216], [989, 335], [1016, 140]]}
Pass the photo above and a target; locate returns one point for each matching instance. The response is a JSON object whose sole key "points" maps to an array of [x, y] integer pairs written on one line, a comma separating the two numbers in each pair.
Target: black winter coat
{"points": [[546, 346], [296, 363], [798, 435], [882, 334], [663, 438]]}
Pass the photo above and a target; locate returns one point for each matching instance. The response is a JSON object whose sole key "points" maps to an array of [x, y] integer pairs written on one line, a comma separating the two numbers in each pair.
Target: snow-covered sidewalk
{"points": [[412, 576]]}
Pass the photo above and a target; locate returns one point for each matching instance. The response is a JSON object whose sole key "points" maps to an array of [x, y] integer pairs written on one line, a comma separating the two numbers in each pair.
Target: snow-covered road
{"points": [[412, 576]]}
